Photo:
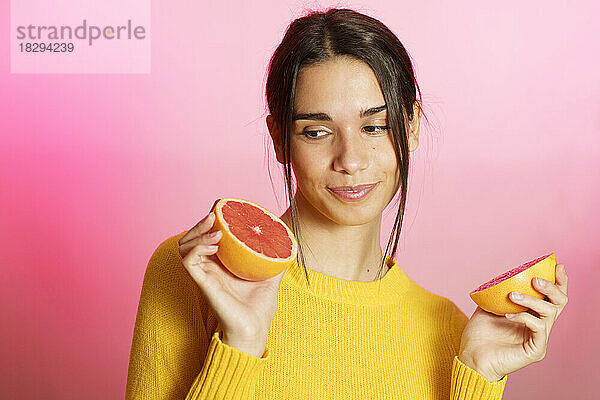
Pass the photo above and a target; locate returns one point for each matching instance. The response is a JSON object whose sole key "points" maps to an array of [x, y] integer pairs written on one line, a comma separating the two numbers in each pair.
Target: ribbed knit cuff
{"points": [[227, 373], [468, 384]]}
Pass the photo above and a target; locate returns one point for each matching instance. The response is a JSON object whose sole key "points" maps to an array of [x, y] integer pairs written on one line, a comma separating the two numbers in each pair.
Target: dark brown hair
{"points": [[319, 36]]}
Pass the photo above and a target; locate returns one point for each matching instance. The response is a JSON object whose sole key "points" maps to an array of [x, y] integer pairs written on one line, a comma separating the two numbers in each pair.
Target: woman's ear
{"points": [[414, 125], [275, 137]]}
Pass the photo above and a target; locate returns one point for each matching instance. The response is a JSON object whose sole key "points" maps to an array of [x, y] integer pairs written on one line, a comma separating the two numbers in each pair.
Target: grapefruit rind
{"points": [[240, 259], [494, 298]]}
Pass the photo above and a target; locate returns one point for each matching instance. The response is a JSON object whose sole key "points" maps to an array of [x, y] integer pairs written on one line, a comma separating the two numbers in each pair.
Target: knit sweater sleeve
{"points": [[227, 373], [176, 351], [466, 383]]}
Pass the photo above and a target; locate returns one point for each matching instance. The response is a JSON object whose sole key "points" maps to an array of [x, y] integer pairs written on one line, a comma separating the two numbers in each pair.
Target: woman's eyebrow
{"points": [[326, 117]]}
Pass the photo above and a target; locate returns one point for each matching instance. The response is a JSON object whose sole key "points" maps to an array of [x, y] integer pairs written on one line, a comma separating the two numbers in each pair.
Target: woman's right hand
{"points": [[244, 308]]}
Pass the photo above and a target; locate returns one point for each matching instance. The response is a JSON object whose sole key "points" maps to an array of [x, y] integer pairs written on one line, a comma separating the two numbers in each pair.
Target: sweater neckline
{"points": [[384, 290]]}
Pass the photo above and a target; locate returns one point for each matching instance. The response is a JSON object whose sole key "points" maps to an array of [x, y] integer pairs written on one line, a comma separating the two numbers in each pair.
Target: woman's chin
{"points": [[355, 216]]}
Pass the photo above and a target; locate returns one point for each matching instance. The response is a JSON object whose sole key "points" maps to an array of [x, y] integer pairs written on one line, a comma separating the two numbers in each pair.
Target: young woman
{"points": [[344, 322]]}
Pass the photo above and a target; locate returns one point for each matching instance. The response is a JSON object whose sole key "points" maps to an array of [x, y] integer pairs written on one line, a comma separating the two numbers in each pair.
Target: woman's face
{"points": [[336, 146]]}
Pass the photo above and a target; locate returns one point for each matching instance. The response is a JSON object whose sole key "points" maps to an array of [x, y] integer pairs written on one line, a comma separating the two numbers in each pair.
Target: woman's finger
{"points": [[196, 258], [542, 307], [536, 347], [553, 292], [201, 227], [207, 238], [562, 279]]}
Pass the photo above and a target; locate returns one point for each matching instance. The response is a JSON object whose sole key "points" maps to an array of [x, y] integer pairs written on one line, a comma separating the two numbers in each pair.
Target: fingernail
{"points": [[516, 296], [214, 234], [541, 282]]}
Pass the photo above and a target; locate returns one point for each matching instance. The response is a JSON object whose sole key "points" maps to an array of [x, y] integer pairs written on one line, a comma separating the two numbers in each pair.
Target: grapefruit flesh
{"points": [[493, 296], [256, 244]]}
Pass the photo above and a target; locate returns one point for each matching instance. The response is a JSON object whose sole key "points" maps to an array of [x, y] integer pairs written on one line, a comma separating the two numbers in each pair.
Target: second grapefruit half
{"points": [[492, 296], [256, 244]]}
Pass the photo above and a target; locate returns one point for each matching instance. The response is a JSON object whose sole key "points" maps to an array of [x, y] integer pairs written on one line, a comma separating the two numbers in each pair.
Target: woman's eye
{"points": [[380, 128], [370, 129], [306, 133]]}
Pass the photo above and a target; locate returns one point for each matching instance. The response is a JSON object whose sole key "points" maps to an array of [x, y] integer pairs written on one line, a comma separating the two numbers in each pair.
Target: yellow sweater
{"points": [[387, 339]]}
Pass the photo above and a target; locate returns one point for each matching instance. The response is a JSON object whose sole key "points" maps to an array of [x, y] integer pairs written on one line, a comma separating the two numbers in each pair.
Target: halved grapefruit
{"points": [[256, 244], [492, 296]]}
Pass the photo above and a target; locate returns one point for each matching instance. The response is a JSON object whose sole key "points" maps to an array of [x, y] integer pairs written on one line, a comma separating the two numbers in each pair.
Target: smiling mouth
{"points": [[355, 189], [353, 195]]}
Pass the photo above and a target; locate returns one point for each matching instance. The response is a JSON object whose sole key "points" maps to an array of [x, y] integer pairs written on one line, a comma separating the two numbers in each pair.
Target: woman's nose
{"points": [[351, 152]]}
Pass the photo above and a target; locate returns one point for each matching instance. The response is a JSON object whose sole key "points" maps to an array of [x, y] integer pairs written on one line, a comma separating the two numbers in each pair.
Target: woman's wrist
{"points": [[468, 361], [253, 346]]}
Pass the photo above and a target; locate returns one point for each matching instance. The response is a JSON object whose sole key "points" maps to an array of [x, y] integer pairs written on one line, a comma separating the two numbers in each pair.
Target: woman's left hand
{"points": [[495, 345]]}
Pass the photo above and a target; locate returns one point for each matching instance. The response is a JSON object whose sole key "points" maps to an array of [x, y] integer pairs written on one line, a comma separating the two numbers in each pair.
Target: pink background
{"points": [[97, 170]]}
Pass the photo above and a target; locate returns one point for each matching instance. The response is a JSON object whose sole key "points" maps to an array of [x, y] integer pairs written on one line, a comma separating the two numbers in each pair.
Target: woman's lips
{"points": [[344, 193], [353, 188]]}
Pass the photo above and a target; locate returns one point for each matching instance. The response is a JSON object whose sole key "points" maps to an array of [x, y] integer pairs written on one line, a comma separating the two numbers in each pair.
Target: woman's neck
{"points": [[345, 252]]}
